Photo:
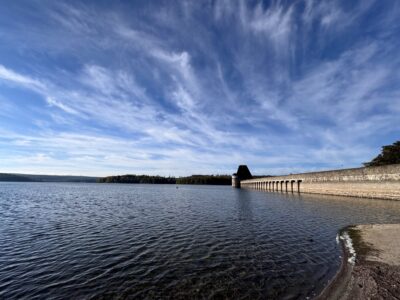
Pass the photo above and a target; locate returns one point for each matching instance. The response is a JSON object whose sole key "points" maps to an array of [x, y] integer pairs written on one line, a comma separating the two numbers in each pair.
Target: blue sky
{"points": [[182, 87]]}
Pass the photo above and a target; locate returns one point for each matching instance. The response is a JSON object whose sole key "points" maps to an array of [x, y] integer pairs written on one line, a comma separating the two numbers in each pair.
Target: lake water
{"points": [[101, 241]]}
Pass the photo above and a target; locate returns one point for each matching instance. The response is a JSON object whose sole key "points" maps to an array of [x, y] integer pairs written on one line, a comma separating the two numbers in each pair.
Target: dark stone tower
{"points": [[242, 173]]}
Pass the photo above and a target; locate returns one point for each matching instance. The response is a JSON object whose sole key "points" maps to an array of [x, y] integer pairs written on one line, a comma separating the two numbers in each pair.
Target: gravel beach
{"points": [[375, 274]]}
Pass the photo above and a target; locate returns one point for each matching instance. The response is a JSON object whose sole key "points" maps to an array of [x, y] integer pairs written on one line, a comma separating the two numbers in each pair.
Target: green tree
{"points": [[390, 155]]}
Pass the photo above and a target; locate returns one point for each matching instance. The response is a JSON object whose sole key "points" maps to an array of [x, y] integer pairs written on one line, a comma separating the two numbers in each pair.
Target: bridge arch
{"points": [[292, 185], [298, 185]]}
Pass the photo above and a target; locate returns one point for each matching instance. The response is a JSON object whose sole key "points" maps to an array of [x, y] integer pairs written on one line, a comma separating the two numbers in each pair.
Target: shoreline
{"points": [[373, 271]]}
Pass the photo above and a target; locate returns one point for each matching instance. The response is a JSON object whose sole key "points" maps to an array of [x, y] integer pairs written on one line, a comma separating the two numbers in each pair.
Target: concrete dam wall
{"points": [[370, 182]]}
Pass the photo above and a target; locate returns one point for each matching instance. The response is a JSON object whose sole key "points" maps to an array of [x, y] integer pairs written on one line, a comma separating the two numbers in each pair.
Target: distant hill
{"points": [[45, 178], [13, 177]]}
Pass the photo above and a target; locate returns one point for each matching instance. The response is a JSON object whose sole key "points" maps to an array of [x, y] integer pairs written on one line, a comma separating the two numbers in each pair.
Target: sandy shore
{"points": [[373, 271]]}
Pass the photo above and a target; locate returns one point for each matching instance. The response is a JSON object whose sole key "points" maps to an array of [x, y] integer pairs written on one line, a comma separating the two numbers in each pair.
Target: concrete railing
{"points": [[371, 182]]}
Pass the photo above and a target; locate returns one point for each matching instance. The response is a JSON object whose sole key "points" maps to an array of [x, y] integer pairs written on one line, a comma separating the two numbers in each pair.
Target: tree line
{"points": [[390, 154], [205, 179], [137, 179], [194, 179]]}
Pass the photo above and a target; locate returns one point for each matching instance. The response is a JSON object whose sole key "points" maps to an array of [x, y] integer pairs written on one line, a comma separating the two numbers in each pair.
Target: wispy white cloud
{"points": [[52, 102], [276, 22], [10, 76], [333, 15]]}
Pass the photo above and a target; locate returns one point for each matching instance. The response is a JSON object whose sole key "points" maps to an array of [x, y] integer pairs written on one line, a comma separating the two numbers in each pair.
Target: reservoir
{"points": [[102, 241]]}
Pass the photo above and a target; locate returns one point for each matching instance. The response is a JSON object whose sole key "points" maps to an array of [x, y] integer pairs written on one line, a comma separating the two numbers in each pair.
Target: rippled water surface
{"points": [[90, 241]]}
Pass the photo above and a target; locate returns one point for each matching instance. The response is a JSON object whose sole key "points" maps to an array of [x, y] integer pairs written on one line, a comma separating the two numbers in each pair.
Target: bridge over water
{"points": [[371, 182]]}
